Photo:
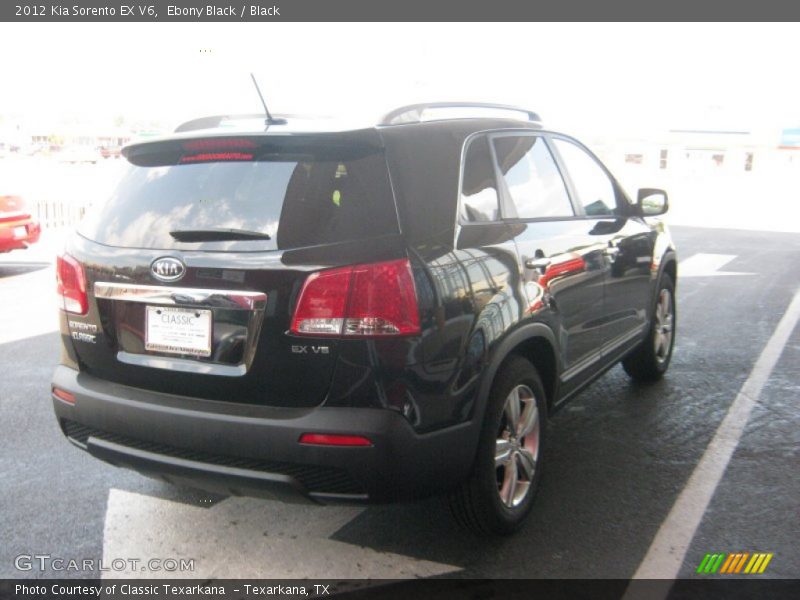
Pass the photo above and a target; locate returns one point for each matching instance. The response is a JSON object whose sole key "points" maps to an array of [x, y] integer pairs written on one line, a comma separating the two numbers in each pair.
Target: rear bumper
{"points": [[12, 238], [254, 451]]}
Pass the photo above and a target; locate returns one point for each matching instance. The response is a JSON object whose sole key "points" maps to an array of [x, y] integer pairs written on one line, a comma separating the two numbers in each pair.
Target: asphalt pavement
{"points": [[619, 457]]}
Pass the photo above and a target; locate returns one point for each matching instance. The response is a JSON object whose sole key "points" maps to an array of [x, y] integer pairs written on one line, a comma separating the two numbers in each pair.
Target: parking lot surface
{"points": [[620, 456]]}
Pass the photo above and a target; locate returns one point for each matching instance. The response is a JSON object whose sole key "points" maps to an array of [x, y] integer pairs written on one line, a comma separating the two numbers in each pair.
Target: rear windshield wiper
{"points": [[217, 235]]}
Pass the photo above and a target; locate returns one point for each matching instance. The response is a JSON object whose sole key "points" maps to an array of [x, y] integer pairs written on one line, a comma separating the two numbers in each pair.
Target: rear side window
{"points": [[479, 199], [532, 177], [299, 197], [594, 188]]}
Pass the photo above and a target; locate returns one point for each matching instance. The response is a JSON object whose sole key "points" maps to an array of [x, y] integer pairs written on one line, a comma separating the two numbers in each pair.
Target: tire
{"points": [[650, 360], [499, 492]]}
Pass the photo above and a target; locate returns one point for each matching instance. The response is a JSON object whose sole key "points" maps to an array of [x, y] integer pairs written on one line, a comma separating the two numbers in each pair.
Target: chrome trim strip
{"points": [[154, 294], [604, 352], [623, 339], [181, 364], [584, 364]]}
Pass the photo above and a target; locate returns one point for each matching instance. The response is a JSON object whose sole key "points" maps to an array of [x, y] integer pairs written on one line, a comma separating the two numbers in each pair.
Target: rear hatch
{"points": [[193, 267]]}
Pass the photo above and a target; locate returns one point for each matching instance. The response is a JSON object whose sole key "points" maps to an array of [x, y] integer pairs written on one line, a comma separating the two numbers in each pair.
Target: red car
{"points": [[110, 151], [18, 229]]}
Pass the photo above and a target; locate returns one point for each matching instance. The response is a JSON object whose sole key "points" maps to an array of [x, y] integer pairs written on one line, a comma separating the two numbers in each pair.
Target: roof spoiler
{"points": [[413, 113], [214, 121]]}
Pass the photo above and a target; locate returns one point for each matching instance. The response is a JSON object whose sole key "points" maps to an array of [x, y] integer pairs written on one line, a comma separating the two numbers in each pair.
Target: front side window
{"points": [[594, 188], [479, 199], [532, 177]]}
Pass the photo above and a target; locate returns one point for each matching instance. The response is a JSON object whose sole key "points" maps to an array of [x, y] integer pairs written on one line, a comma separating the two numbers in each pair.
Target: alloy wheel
{"points": [[664, 318], [517, 446]]}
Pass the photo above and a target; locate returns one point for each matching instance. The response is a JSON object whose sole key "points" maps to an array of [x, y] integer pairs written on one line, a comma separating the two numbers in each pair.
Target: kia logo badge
{"points": [[167, 269]]}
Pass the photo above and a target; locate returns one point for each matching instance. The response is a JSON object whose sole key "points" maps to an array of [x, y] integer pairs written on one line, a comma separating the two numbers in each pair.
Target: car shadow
{"points": [[423, 529], [14, 269]]}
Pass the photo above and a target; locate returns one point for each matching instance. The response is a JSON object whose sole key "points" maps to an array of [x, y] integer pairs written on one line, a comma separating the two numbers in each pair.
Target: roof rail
{"points": [[215, 121], [413, 112]]}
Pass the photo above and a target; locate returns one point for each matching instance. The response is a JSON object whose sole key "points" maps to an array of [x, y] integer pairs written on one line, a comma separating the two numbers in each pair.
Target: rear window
{"points": [[479, 198], [298, 196]]}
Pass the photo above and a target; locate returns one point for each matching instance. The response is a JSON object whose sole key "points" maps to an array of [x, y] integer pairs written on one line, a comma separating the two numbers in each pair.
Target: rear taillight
{"points": [[71, 282], [218, 150], [219, 144], [376, 299], [216, 157]]}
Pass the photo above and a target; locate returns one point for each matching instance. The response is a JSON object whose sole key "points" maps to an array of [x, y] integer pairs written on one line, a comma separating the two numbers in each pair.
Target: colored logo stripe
{"points": [[710, 563], [758, 563], [727, 565], [734, 563]]}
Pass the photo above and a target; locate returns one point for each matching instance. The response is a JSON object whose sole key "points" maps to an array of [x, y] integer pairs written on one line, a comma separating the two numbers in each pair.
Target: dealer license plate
{"points": [[178, 330]]}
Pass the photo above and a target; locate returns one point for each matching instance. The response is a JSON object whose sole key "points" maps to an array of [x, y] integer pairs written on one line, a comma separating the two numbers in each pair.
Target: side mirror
{"points": [[652, 202]]}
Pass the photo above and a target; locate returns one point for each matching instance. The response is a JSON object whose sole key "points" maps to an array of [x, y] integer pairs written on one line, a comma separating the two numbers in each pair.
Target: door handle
{"points": [[537, 263]]}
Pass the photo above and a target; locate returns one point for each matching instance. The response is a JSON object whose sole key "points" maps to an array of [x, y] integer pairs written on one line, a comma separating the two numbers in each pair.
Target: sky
{"points": [[580, 77]]}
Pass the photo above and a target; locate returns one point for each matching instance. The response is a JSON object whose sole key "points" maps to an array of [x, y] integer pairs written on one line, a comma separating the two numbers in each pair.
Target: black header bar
{"points": [[395, 10]]}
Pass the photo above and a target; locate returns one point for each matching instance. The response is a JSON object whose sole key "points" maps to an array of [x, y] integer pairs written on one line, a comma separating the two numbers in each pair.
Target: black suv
{"points": [[282, 309]]}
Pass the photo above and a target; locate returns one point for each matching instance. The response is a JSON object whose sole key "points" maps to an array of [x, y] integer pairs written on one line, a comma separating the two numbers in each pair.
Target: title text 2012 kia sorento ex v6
{"points": [[372, 314]]}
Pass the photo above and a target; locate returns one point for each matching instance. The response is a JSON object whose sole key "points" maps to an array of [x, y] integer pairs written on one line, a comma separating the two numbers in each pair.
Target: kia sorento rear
{"points": [[223, 312], [358, 315]]}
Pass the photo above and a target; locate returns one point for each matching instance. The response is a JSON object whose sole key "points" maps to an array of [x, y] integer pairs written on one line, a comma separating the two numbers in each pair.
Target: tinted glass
{"points": [[298, 199], [479, 200], [594, 188], [532, 177]]}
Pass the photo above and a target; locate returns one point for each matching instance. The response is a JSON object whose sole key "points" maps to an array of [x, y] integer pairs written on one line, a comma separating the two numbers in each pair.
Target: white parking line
{"points": [[246, 538], [707, 265], [29, 305], [668, 550]]}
